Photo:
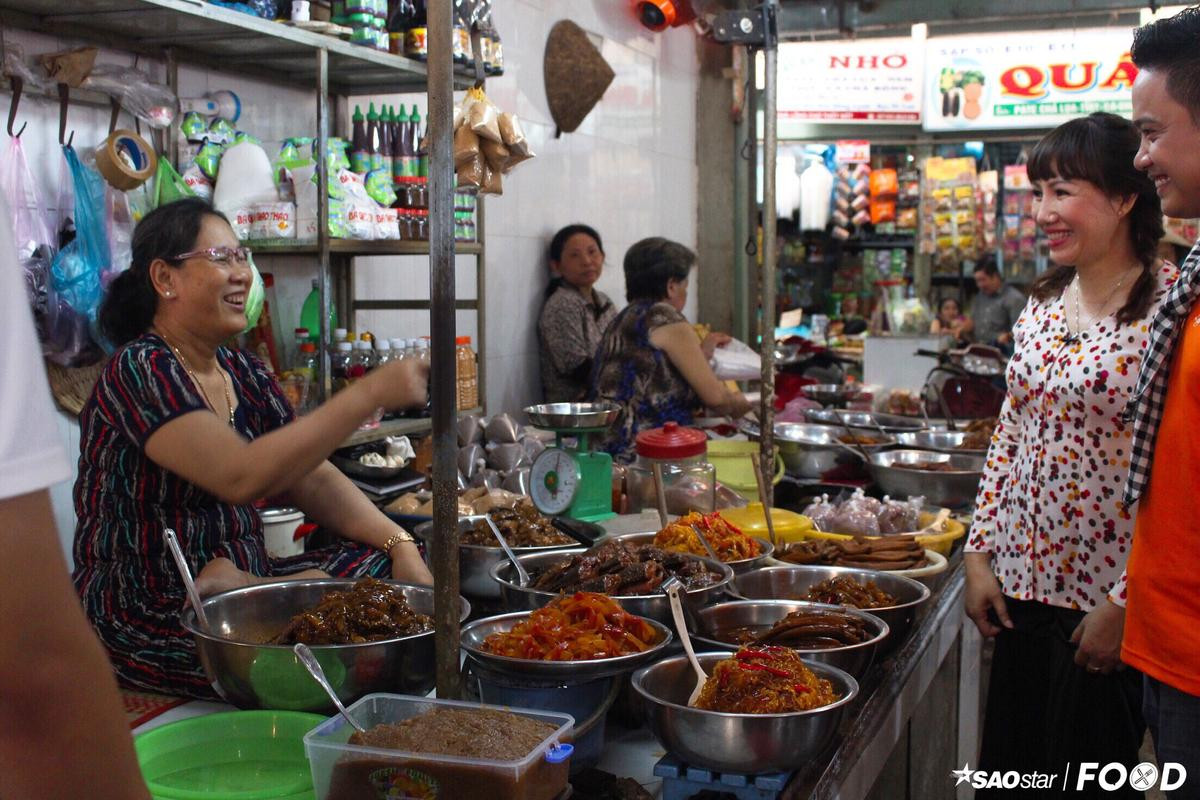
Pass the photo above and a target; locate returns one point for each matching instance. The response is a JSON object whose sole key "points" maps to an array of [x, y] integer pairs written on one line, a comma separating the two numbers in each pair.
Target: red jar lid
{"points": [[671, 442]]}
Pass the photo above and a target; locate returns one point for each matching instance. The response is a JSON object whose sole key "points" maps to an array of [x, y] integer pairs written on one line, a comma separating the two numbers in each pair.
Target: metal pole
{"points": [[743, 223], [324, 287], [443, 379], [770, 142]]}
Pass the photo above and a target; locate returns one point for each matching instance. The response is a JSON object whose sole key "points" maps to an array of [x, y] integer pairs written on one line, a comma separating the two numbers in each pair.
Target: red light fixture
{"points": [[658, 15]]}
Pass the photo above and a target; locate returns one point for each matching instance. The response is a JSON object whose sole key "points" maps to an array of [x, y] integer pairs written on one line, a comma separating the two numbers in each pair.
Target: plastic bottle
{"points": [[340, 366], [373, 137], [310, 315], [422, 164], [384, 157], [398, 349], [416, 38], [399, 21], [306, 361], [399, 142], [360, 153], [467, 375], [383, 352]]}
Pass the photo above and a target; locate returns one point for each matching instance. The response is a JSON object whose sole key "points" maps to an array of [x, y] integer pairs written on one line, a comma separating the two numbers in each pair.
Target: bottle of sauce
{"points": [[360, 151], [385, 141], [467, 376], [373, 137], [416, 38], [421, 156], [340, 366]]}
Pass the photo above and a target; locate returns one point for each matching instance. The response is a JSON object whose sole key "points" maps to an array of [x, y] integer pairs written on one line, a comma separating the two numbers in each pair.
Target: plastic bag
{"points": [[736, 361], [169, 185], [254, 297], [151, 102], [77, 269]]}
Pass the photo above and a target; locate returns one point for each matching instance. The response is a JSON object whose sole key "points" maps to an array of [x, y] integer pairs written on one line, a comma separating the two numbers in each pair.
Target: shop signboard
{"points": [[871, 81], [1032, 79]]}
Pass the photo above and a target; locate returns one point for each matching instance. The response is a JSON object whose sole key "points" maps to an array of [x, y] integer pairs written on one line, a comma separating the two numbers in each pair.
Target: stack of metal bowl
{"points": [[865, 421], [250, 674], [938, 441], [812, 450], [899, 473], [743, 743], [793, 583]]}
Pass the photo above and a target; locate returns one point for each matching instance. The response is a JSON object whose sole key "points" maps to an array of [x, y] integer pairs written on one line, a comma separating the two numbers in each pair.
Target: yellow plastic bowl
{"points": [[938, 542], [731, 460], [789, 526]]}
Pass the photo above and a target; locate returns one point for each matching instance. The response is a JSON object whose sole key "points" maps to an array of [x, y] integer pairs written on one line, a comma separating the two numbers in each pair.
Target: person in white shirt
{"points": [[62, 728]]}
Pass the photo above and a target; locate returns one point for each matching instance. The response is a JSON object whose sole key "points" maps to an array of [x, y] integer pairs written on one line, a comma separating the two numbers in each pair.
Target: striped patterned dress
{"points": [[130, 587]]}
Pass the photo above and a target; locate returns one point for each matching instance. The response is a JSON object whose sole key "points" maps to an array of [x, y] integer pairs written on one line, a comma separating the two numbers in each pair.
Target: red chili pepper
{"points": [[776, 671], [801, 688]]}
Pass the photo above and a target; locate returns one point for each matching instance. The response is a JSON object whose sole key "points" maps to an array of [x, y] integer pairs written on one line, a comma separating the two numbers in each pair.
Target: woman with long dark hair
{"points": [[183, 432], [1046, 557]]}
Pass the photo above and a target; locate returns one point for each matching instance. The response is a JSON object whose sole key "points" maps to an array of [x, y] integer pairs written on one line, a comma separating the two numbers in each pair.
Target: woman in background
{"points": [[574, 314]]}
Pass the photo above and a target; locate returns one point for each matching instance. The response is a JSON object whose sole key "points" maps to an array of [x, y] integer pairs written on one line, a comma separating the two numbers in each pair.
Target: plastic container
{"points": [[467, 374], [310, 314], [734, 468], [342, 771], [689, 480], [789, 526], [235, 755], [279, 531]]}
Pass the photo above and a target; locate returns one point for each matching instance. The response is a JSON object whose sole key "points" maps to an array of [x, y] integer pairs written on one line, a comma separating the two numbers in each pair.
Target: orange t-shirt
{"points": [[1162, 614]]}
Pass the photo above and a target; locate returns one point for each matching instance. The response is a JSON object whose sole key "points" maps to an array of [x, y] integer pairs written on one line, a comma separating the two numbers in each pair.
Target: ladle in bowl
{"points": [[185, 572], [313, 666], [672, 587], [522, 575]]}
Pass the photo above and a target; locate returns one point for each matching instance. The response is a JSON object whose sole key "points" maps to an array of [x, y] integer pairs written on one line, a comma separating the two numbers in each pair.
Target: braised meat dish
{"points": [[843, 591], [369, 611], [882, 554], [810, 629], [522, 526], [619, 568]]}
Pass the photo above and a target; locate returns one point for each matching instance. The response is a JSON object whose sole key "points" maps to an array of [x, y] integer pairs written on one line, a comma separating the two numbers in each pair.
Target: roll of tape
{"points": [[125, 160]]}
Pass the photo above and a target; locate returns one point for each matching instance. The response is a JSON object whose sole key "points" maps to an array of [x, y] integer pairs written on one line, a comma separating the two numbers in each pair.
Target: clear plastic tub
{"points": [[342, 771]]}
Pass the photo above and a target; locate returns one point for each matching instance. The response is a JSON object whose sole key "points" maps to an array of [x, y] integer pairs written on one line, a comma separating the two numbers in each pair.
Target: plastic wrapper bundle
{"points": [[78, 268], [856, 517], [470, 429], [471, 459], [502, 428], [151, 102], [507, 457], [736, 361], [821, 513], [900, 516], [487, 143], [865, 516]]}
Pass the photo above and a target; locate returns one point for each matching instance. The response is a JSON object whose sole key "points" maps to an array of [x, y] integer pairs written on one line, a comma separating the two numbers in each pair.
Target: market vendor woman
{"points": [[183, 432]]}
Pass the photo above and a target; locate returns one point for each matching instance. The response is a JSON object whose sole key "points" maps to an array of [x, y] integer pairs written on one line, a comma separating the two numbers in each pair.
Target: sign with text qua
{"points": [[870, 81], [1032, 79]]}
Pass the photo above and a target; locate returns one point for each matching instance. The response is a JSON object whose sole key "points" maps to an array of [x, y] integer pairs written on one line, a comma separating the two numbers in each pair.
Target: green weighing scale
{"points": [[572, 481]]}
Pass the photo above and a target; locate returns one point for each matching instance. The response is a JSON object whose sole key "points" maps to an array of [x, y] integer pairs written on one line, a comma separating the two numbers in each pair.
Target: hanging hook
{"points": [[116, 112], [64, 99], [18, 84]]}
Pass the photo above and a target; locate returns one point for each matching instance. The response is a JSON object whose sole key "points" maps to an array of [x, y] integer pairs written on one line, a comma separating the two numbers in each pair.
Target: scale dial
{"points": [[554, 481]]}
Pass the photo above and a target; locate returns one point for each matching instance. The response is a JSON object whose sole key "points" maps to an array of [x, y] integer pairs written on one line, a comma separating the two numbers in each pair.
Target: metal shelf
{"points": [[398, 427], [355, 247], [218, 38]]}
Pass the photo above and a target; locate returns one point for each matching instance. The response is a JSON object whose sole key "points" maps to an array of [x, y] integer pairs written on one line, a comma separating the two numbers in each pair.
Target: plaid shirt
{"points": [[1145, 407]]}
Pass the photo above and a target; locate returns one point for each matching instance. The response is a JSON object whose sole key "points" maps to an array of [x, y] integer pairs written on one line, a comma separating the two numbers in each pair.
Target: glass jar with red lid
{"points": [[689, 480]]}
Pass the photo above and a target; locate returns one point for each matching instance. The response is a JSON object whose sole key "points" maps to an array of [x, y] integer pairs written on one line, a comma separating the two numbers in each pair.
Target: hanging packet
{"points": [[169, 185], [77, 269]]}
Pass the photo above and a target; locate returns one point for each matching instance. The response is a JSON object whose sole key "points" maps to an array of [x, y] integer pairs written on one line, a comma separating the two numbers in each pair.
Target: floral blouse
{"points": [[1049, 505]]}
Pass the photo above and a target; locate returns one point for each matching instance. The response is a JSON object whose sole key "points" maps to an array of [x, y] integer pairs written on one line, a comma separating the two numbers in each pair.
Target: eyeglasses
{"points": [[222, 256]]}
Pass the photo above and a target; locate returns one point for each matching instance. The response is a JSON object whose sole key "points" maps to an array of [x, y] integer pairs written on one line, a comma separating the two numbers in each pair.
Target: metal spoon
{"points": [[672, 590], [314, 668], [522, 575], [704, 541], [660, 494], [185, 572], [938, 523]]}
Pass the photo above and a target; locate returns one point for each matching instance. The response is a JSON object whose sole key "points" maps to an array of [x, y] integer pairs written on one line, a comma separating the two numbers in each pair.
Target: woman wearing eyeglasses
{"points": [[183, 432]]}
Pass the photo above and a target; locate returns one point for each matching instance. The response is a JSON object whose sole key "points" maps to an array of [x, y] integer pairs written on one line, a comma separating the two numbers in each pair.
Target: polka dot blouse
{"points": [[1049, 505]]}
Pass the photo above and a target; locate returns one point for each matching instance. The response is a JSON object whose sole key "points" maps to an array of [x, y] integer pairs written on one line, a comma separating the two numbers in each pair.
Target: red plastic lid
{"points": [[671, 441]]}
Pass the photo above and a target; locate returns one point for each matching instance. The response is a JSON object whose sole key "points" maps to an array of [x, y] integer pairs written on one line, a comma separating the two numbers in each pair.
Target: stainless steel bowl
{"points": [[955, 489], [572, 415], [746, 743], [793, 583], [812, 450], [475, 562], [474, 634], [853, 658], [830, 393], [651, 606], [738, 567], [250, 674], [938, 441], [863, 421]]}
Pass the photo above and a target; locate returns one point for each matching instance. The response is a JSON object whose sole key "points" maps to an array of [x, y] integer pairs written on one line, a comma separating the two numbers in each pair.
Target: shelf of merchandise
{"points": [[355, 247]]}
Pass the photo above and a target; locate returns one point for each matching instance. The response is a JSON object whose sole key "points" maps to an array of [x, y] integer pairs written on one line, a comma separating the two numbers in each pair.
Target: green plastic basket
{"points": [[234, 755]]}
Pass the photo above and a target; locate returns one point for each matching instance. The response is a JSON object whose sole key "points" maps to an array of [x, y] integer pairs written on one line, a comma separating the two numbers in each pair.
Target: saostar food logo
{"points": [[1088, 774]]}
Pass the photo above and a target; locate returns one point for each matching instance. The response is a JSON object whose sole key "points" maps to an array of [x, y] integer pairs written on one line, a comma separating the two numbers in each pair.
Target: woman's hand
{"points": [[1099, 638], [399, 384], [713, 341], [220, 575], [983, 593], [407, 565]]}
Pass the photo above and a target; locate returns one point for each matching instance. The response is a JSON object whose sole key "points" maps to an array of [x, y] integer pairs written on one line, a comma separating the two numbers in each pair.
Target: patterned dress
{"points": [[124, 573], [569, 330], [1049, 506], [640, 378]]}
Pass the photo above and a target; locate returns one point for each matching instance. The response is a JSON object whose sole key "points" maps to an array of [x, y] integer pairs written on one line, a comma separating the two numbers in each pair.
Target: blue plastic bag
{"points": [[78, 267]]}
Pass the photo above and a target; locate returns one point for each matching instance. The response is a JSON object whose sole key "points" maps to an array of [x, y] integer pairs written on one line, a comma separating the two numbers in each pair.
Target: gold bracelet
{"points": [[395, 539]]}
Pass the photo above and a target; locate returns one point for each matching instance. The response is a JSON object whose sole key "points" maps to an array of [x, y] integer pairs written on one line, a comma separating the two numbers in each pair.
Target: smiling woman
{"points": [[184, 432]]}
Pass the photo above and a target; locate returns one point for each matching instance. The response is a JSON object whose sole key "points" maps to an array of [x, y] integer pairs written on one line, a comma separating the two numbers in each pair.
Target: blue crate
{"points": [[681, 781]]}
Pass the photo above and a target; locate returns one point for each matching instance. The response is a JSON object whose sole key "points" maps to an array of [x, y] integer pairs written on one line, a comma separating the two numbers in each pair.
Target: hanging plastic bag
{"points": [[254, 297], [78, 267], [169, 185]]}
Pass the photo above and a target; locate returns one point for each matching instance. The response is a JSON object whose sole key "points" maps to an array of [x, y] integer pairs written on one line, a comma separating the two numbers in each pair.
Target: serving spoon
{"points": [[313, 666], [671, 587], [938, 524], [522, 575], [185, 572]]}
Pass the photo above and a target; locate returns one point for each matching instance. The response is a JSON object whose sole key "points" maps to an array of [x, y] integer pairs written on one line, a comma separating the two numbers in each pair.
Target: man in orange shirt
{"points": [[1162, 616]]}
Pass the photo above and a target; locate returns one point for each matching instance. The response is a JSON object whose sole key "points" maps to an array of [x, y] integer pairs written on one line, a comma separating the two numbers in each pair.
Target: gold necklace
{"points": [[188, 368], [1079, 329]]}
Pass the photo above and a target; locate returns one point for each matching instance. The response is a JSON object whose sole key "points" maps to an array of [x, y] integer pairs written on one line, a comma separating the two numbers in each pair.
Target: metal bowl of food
{"points": [[475, 561], [739, 566], [745, 743], [943, 479], [475, 633], [939, 442], [249, 673], [653, 606], [794, 583], [812, 450], [864, 421], [724, 626], [572, 415], [830, 394]]}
